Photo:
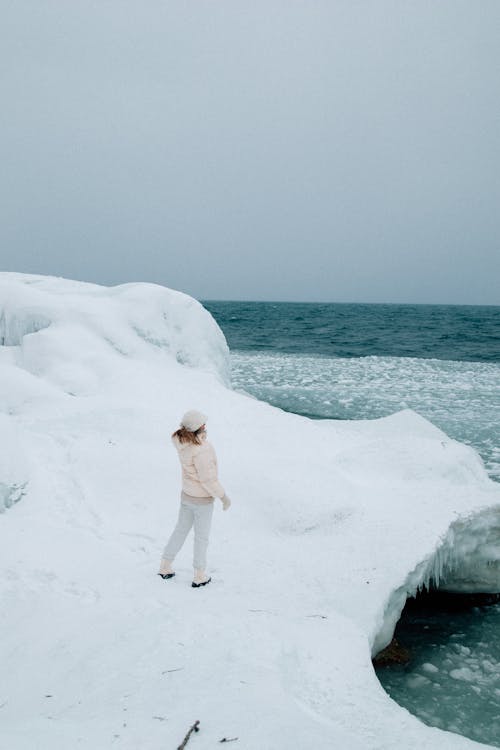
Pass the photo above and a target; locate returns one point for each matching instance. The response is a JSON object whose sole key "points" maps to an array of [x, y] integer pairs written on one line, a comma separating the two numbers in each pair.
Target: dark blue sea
{"points": [[341, 361], [461, 333]]}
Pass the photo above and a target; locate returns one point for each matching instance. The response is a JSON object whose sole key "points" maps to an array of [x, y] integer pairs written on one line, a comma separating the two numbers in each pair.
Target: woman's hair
{"points": [[186, 436]]}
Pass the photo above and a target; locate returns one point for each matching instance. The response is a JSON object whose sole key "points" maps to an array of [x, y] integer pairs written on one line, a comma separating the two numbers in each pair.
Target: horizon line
{"points": [[330, 302]]}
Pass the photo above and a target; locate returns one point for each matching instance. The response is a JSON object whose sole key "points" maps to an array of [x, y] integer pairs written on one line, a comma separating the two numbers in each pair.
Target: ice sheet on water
{"points": [[428, 667], [462, 398]]}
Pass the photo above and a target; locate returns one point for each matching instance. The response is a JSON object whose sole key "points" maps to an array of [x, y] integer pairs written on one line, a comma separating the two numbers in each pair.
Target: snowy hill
{"points": [[332, 524]]}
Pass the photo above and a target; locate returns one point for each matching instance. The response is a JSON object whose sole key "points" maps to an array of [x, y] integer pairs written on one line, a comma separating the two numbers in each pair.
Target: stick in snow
{"points": [[228, 739], [323, 617], [194, 728]]}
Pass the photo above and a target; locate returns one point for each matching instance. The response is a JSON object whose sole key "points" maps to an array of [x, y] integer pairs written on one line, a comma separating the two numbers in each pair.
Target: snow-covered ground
{"points": [[332, 524]]}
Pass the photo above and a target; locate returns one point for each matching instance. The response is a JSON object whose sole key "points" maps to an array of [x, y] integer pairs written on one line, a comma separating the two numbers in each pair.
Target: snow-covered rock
{"points": [[332, 524]]}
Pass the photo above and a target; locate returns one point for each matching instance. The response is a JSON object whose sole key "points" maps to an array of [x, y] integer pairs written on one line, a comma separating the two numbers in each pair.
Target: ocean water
{"points": [[366, 361], [452, 332], [453, 679]]}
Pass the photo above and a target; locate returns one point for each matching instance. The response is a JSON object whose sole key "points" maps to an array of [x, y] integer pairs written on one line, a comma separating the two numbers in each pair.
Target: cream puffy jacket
{"points": [[199, 469]]}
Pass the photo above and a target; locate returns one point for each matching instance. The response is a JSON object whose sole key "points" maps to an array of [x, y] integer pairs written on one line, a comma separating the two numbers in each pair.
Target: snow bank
{"points": [[83, 330], [332, 524]]}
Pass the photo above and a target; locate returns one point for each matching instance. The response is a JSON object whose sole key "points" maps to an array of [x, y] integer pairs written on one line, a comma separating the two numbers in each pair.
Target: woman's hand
{"points": [[226, 502]]}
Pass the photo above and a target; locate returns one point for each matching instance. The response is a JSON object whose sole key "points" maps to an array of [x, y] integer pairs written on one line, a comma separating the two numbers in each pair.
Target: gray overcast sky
{"points": [[313, 150]]}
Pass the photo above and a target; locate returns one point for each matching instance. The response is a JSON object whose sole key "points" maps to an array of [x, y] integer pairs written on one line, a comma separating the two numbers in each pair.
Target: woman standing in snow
{"points": [[200, 486]]}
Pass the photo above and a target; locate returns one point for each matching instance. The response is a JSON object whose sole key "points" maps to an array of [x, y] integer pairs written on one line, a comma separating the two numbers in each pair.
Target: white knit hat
{"points": [[193, 420]]}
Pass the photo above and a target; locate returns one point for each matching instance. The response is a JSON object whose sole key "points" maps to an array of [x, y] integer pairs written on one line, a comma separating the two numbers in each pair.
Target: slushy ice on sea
{"points": [[462, 398], [452, 679]]}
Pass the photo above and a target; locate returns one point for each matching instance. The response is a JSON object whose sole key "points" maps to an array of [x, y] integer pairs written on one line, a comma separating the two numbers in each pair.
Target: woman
{"points": [[200, 486]]}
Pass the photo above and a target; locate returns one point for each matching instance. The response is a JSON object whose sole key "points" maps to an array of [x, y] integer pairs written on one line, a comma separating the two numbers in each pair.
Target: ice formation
{"points": [[332, 525], [467, 560], [83, 325]]}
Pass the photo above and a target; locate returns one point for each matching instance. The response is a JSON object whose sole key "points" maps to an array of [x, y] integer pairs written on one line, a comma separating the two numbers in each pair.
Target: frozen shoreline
{"points": [[462, 398], [332, 524]]}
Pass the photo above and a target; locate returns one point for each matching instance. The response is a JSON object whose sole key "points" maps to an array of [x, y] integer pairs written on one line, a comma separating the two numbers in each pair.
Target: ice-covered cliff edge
{"points": [[331, 524], [84, 329]]}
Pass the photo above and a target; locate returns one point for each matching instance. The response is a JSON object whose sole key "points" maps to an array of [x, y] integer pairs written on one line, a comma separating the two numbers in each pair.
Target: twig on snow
{"points": [[179, 669], [321, 617], [194, 728], [228, 739]]}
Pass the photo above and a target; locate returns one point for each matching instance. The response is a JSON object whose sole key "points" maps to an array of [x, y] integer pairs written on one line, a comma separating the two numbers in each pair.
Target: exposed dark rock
{"points": [[394, 653]]}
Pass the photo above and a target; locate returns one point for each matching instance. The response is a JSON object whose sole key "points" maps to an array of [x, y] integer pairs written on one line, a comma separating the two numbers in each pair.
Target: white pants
{"points": [[191, 514]]}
